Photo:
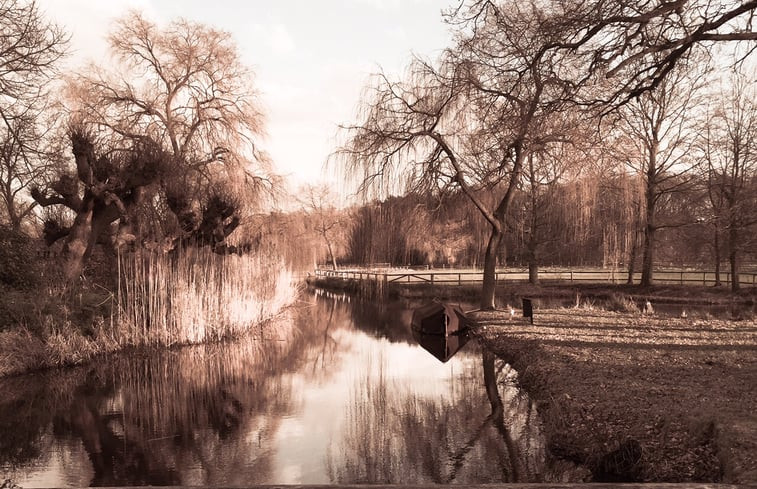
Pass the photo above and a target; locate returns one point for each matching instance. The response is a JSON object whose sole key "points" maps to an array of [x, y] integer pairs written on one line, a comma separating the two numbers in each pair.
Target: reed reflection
{"points": [[200, 415]]}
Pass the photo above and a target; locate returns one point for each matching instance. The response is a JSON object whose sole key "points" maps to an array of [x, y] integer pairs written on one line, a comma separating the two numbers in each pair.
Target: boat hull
{"points": [[439, 318]]}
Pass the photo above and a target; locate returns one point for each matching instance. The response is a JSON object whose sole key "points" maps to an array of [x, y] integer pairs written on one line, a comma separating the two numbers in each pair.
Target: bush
{"points": [[18, 260]]}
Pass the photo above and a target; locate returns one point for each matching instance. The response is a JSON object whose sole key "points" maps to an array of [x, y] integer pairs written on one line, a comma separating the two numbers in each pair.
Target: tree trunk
{"points": [[533, 272], [632, 257], [78, 242], [90, 223], [332, 259], [651, 194], [733, 258], [716, 246], [490, 268], [647, 262]]}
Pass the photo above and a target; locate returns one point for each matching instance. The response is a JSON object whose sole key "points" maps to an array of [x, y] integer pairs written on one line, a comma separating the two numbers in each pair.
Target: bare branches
{"points": [[182, 85], [29, 50]]}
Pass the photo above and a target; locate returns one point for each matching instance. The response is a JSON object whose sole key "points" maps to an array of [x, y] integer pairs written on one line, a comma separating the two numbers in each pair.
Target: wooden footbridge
{"points": [[584, 276]]}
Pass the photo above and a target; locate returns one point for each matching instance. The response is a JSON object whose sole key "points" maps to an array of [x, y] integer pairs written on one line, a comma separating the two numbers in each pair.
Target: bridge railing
{"points": [[452, 277]]}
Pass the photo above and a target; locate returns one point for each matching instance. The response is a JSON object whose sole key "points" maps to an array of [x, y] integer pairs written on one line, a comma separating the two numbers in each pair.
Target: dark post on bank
{"points": [[528, 309]]}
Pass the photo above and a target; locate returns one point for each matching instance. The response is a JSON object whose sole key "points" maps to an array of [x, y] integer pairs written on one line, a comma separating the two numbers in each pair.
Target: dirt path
{"points": [[683, 390]]}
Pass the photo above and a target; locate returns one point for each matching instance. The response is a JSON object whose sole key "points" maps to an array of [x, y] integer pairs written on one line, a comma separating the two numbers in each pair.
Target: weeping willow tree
{"points": [[467, 122]]}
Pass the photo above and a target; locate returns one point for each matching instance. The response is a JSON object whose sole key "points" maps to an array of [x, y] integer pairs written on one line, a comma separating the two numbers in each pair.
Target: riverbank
{"points": [[608, 383], [153, 301], [42, 333]]}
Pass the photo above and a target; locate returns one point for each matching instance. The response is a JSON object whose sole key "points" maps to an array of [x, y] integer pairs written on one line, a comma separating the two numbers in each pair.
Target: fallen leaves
{"points": [[606, 377]]}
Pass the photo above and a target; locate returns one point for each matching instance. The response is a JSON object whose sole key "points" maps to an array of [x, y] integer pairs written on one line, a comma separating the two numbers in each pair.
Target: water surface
{"points": [[341, 393]]}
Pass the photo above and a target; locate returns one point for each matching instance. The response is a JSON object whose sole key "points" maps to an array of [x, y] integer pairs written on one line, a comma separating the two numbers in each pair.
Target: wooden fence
{"points": [[460, 277]]}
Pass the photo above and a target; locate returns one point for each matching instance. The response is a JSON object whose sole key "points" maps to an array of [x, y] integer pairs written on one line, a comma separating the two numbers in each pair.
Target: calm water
{"points": [[343, 394]]}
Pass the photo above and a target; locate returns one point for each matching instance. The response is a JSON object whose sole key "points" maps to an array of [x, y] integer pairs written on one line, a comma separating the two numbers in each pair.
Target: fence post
{"points": [[459, 280], [571, 275], [432, 278], [681, 277]]}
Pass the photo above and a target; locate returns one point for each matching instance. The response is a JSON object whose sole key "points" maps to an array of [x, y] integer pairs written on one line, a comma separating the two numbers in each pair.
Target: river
{"points": [[342, 393]]}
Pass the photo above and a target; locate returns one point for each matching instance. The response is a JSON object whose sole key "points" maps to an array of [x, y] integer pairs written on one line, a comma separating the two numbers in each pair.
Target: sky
{"points": [[311, 58]]}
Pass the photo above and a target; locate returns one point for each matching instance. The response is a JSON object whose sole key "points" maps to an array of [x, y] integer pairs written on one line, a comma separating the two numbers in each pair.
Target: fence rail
{"points": [[450, 277]]}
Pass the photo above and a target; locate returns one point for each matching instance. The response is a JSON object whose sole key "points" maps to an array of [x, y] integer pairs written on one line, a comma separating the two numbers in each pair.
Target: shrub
{"points": [[18, 260], [622, 303]]}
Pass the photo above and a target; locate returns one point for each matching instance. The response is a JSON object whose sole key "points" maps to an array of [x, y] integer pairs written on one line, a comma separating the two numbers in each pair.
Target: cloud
{"points": [[89, 21], [275, 36]]}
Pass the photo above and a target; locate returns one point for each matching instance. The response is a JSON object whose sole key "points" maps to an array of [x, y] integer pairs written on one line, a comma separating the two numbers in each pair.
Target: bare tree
{"points": [[29, 50], [104, 188], [731, 164], [18, 169], [637, 44], [548, 166], [318, 204], [184, 87], [181, 108], [660, 136], [467, 124]]}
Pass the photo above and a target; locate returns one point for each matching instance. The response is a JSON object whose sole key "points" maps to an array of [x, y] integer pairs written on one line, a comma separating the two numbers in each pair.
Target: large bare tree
{"points": [[730, 163], [185, 87], [182, 89], [104, 188], [468, 123], [660, 134], [636, 44]]}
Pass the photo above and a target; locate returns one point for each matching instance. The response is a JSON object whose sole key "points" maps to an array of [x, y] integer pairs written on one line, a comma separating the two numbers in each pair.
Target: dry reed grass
{"points": [[161, 300], [197, 297]]}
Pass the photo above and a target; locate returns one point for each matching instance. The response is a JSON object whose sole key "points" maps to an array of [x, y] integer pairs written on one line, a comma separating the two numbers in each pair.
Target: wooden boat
{"points": [[439, 318]]}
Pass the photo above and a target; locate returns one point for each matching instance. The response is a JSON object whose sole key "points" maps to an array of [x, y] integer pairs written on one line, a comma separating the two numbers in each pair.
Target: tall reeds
{"points": [[196, 296]]}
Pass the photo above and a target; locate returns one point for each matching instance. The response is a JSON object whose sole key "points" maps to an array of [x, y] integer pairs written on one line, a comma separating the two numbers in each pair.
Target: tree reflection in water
{"points": [[333, 400], [144, 418], [483, 430]]}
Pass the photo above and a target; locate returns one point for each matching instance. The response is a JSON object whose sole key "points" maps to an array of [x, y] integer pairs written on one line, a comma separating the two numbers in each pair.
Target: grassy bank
{"points": [[159, 301], [681, 389]]}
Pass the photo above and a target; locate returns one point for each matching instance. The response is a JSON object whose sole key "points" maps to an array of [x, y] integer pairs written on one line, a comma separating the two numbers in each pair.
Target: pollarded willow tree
{"points": [[468, 122], [183, 88]]}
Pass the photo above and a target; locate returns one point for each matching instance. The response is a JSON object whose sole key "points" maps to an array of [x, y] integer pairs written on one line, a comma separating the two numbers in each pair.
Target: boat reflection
{"points": [[442, 347]]}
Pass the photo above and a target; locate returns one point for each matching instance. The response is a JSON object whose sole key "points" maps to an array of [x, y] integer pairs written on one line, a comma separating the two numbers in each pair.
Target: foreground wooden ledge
{"points": [[592, 485]]}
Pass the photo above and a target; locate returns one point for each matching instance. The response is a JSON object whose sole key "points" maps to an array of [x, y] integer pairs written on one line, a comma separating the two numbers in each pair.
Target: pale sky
{"points": [[311, 57]]}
